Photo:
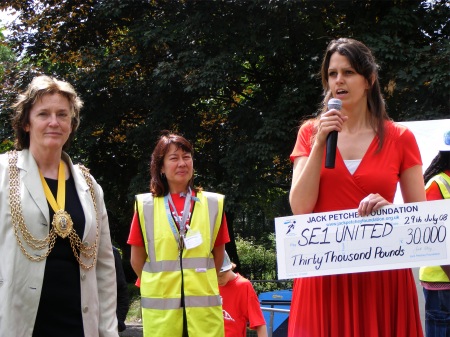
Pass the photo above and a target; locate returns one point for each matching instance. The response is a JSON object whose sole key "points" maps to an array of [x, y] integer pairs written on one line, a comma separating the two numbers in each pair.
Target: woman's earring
{"points": [[163, 175]]}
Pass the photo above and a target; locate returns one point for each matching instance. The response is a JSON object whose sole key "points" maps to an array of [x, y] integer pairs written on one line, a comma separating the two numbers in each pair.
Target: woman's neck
{"points": [[357, 121], [178, 189], [48, 163]]}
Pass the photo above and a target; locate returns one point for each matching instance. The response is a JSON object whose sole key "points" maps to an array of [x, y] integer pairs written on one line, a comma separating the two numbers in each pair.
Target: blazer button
{"points": [[83, 277], [85, 309], [85, 243]]}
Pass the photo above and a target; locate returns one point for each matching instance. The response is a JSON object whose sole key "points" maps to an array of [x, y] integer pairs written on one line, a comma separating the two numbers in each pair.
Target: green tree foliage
{"points": [[235, 77], [258, 262], [7, 61]]}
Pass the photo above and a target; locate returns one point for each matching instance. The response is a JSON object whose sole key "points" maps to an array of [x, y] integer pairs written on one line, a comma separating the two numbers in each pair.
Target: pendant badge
{"points": [[62, 222], [181, 243]]}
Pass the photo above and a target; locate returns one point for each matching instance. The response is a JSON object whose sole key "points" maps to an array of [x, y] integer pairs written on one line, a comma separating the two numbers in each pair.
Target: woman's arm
{"points": [[261, 331], [218, 253], [305, 182], [137, 259], [105, 272], [412, 185], [306, 175]]}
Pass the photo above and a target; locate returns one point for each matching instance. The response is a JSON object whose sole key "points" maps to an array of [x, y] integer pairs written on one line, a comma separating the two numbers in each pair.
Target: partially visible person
{"points": [[436, 279], [239, 302], [373, 154], [177, 237], [123, 299], [57, 275]]}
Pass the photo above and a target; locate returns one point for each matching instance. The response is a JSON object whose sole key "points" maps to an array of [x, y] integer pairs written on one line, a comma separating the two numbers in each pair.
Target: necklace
{"points": [[62, 222]]}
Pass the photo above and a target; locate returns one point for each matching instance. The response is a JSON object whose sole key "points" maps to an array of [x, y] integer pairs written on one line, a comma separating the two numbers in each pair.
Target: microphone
{"points": [[330, 152]]}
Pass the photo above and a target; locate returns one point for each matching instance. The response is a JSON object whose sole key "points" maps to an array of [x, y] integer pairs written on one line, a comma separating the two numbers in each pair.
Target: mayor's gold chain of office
{"points": [[48, 242]]}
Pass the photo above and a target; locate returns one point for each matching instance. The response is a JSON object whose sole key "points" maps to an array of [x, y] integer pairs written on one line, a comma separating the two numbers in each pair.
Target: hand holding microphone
{"points": [[330, 152]]}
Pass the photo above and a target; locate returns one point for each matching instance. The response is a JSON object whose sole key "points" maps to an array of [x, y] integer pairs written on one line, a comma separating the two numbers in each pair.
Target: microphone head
{"points": [[334, 103]]}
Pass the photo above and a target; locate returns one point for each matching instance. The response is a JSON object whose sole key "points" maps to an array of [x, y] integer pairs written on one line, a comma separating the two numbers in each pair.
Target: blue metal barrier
{"points": [[276, 306]]}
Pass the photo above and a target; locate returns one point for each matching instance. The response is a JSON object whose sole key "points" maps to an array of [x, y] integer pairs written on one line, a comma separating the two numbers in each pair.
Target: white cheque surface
{"points": [[395, 237]]}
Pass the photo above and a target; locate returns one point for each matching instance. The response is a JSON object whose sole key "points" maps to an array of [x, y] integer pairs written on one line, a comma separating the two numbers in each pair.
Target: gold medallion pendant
{"points": [[62, 222]]}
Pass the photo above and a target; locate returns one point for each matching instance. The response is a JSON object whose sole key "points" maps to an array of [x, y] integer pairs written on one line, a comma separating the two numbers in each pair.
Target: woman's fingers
{"points": [[371, 203]]}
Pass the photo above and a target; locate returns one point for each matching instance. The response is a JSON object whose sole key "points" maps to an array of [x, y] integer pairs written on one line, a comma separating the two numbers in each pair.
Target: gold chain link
{"points": [[86, 250], [21, 229]]}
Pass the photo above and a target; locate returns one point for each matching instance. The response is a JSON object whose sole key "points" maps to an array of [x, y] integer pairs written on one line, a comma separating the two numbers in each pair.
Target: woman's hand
{"points": [[332, 120], [372, 202]]}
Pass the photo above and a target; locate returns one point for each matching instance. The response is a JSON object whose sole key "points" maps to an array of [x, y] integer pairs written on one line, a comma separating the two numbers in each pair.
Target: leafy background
{"points": [[235, 77]]}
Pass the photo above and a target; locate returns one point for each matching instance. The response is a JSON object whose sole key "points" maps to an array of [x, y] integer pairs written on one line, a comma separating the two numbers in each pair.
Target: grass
{"points": [[134, 311]]}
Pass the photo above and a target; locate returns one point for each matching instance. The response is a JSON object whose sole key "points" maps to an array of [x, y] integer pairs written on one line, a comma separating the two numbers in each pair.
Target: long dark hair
{"points": [[363, 61], [158, 183], [439, 164]]}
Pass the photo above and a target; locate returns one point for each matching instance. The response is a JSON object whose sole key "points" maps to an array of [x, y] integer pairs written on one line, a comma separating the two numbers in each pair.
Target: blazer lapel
{"points": [[29, 173]]}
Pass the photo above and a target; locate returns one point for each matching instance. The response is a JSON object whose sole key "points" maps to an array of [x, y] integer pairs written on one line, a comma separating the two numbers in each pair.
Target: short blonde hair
{"points": [[38, 87]]}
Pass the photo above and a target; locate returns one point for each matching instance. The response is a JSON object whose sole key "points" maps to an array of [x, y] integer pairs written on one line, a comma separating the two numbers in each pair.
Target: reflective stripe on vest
{"points": [[443, 182], [191, 264], [175, 303], [436, 273], [148, 208]]}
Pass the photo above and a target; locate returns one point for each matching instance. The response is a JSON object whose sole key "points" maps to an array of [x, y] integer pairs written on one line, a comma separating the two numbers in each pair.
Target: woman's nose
{"points": [[53, 119], [339, 78]]}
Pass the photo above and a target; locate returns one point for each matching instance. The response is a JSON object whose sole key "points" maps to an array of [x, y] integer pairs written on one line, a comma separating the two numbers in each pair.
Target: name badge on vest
{"points": [[192, 239]]}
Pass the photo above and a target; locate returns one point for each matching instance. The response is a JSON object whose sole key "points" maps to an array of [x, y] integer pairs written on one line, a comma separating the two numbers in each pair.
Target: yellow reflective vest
{"points": [[435, 273], [165, 274]]}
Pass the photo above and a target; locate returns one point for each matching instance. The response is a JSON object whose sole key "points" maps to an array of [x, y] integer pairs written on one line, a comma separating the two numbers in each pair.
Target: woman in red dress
{"points": [[373, 154]]}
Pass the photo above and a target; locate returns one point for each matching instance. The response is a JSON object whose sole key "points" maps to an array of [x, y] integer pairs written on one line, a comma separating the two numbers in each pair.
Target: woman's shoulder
{"points": [[309, 125], [211, 196], [5, 157], [395, 131], [207, 193], [147, 195], [148, 198]]}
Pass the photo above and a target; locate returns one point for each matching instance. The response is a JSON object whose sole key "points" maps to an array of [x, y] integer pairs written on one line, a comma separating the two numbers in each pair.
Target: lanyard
{"points": [[180, 220], [62, 222], [59, 203]]}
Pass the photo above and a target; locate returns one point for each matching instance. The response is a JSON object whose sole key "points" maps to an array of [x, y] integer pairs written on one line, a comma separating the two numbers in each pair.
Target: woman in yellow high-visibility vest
{"points": [[177, 239], [436, 279]]}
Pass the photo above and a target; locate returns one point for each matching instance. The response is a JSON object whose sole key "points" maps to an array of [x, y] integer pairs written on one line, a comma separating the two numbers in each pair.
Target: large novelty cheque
{"points": [[394, 237]]}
